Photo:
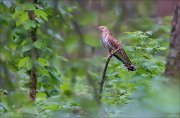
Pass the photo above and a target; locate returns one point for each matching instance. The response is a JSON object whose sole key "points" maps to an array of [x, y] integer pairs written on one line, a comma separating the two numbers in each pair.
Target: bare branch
{"points": [[104, 74]]}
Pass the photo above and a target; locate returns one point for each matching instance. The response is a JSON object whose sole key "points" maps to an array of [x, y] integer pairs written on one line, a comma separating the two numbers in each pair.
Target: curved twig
{"points": [[104, 74]]}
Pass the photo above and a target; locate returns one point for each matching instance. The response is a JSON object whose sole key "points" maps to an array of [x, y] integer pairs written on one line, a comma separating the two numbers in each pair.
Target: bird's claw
{"points": [[113, 51], [110, 54]]}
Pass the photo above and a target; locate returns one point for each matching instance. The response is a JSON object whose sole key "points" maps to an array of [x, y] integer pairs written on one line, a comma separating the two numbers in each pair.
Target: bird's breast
{"points": [[105, 40]]}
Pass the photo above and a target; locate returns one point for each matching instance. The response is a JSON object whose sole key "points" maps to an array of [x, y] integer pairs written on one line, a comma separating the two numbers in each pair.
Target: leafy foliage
{"points": [[70, 63]]}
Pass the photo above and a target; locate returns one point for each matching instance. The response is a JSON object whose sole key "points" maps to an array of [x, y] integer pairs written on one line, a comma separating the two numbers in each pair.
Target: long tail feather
{"points": [[121, 56]]}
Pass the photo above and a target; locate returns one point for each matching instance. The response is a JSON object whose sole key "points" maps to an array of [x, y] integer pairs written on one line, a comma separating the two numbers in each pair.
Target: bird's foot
{"points": [[110, 54]]}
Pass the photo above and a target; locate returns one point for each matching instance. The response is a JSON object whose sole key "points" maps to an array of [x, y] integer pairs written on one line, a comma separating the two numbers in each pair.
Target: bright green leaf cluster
{"points": [[43, 61], [21, 15], [25, 62], [41, 13]]}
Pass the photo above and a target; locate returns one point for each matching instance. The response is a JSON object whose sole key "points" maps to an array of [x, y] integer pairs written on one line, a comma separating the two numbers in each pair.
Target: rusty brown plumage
{"points": [[112, 44]]}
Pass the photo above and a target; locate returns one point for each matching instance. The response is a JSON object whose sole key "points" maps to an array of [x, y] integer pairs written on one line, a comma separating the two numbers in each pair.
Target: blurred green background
{"points": [[71, 59]]}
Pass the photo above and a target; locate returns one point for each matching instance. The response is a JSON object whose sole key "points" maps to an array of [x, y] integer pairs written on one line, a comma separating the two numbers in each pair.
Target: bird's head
{"points": [[102, 28]]}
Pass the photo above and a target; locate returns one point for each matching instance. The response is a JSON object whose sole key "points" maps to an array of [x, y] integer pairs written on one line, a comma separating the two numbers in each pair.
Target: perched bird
{"points": [[112, 44]]}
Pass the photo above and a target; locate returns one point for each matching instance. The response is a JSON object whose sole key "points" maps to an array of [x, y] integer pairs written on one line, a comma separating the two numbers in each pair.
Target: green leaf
{"points": [[39, 20], [66, 89], [26, 48], [39, 44], [20, 17], [43, 71], [29, 24], [162, 48], [53, 106], [25, 63], [43, 61], [54, 77], [24, 42], [41, 13], [41, 96], [13, 46]]}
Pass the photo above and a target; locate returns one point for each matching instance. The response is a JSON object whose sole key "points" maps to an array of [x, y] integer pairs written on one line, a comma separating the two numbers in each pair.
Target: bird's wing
{"points": [[120, 54], [113, 42]]}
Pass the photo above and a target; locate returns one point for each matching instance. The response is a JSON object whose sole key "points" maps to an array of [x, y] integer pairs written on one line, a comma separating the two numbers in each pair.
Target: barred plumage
{"points": [[112, 44]]}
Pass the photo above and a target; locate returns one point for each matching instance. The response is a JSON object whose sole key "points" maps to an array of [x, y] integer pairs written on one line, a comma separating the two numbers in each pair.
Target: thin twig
{"points": [[104, 74]]}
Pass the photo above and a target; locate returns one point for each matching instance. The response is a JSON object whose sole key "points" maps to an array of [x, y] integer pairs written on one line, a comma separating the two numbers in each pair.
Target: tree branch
{"points": [[104, 74], [34, 55]]}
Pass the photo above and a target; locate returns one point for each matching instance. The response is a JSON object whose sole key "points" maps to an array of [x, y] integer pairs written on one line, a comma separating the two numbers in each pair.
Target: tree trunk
{"points": [[173, 60], [34, 56]]}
